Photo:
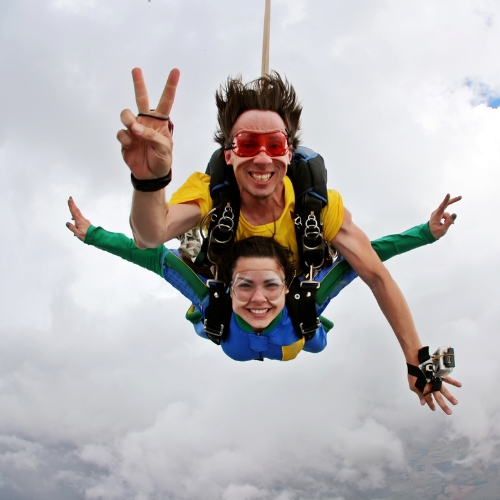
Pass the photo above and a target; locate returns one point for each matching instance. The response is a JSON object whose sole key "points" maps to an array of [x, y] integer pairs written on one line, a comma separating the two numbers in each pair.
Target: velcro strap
{"points": [[415, 371], [424, 378]]}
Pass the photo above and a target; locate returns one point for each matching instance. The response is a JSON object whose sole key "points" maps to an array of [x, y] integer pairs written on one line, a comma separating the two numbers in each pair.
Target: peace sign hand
{"points": [[147, 141], [440, 220]]}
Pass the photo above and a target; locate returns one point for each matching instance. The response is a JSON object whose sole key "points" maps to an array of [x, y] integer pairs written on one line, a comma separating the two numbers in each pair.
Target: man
{"points": [[267, 111]]}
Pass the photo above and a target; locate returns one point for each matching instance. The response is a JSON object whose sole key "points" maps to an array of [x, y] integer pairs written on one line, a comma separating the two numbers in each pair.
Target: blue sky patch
{"points": [[484, 94]]}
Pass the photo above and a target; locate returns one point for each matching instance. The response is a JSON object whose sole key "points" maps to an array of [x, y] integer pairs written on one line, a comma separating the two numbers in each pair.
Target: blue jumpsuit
{"points": [[279, 340]]}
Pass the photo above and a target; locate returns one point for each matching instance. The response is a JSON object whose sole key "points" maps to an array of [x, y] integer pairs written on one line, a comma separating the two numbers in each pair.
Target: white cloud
{"points": [[105, 391]]}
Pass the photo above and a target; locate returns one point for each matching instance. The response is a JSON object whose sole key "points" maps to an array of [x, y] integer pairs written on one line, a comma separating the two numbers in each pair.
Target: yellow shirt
{"points": [[197, 189]]}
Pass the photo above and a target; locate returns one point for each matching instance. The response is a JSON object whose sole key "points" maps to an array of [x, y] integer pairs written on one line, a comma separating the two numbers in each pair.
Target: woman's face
{"points": [[258, 290]]}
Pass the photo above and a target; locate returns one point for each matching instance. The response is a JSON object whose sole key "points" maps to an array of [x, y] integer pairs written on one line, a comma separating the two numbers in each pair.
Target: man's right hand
{"points": [[147, 142]]}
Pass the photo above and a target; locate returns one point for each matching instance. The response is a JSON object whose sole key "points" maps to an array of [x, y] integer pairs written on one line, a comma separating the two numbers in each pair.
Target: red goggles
{"points": [[247, 144]]}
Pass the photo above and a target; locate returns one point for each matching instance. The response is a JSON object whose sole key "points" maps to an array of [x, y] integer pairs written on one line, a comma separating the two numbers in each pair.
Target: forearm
{"points": [[396, 244], [386, 247], [154, 222], [395, 308], [148, 218], [120, 245]]}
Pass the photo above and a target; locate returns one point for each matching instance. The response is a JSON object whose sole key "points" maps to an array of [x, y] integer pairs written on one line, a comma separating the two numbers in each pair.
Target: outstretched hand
{"points": [[440, 220], [81, 225], [147, 141], [438, 397]]}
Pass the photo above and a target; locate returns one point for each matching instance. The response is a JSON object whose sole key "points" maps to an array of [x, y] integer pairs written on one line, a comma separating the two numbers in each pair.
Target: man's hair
{"points": [[267, 93], [256, 246]]}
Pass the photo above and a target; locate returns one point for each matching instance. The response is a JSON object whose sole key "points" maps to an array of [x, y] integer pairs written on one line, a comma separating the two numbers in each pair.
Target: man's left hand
{"points": [[438, 397]]}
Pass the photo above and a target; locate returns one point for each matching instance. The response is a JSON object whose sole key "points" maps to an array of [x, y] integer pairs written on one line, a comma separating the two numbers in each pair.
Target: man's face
{"points": [[261, 174]]}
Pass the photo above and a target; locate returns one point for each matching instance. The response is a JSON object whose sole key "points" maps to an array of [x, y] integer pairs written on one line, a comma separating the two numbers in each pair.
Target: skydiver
{"points": [[263, 108], [260, 273]]}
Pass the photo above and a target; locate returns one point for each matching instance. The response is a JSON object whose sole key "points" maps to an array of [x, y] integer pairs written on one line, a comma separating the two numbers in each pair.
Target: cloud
{"points": [[105, 391]]}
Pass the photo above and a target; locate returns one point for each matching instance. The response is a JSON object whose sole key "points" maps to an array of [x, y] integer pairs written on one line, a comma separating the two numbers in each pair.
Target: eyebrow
{"points": [[270, 280]]}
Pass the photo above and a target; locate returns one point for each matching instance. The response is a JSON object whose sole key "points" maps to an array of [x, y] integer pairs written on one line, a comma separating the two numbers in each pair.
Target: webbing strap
{"points": [[218, 312], [226, 200], [427, 376], [301, 305]]}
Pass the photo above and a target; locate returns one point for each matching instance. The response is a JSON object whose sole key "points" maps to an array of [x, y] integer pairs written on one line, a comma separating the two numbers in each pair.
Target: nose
{"points": [[262, 157], [258, 296]]}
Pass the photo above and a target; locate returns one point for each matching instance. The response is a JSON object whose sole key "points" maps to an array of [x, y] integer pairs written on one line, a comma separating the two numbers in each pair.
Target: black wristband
{"points": [[150, 185]]}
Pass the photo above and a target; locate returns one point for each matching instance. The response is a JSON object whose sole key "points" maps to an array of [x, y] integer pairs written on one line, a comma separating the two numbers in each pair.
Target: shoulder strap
{"points": [[226, 212], [308, 174]]}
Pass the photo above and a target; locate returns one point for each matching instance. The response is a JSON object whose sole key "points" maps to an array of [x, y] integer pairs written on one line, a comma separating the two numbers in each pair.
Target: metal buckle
{"points": [[310, 283], [213, 331], [311, 329]]}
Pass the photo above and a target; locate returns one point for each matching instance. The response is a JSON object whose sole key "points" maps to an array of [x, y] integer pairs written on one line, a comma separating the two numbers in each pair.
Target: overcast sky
{"points": [[105, 390]]}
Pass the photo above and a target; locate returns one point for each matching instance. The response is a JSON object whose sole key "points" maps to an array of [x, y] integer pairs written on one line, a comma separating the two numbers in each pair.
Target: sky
{"points": [[105, 390]]}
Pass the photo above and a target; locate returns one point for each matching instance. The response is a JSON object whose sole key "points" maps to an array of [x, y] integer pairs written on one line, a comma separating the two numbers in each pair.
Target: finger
{"points": [[127, 118], [125, 138], [430, 401], [448, 395], [448, 220], [141, 93], [71, 227], [452, 381], [441, 403], [442, 206], [75, 211], [454, 200], [167, 98], [157, 140]]}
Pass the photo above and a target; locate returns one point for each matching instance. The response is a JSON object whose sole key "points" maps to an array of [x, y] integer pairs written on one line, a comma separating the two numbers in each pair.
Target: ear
{"points": [[227, 156]]}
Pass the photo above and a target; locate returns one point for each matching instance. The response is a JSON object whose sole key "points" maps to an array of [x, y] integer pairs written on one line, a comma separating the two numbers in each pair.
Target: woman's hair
{"points": [[267, 93], [255, 246]]}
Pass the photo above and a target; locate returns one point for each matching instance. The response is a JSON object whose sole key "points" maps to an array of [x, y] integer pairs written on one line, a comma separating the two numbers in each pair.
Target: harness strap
{"points": [[424, 372], [301, 305], [226, 202], [218, 312], [308, 175]]}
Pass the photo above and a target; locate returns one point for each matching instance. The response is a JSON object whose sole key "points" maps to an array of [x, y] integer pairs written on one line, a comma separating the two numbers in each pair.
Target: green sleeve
{"points": [[118, 244], [341, 274], [396, 244]]}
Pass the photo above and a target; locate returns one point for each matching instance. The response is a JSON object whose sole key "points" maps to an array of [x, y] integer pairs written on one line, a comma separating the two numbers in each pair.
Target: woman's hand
{"points": [[81, 225], [440, 221]]}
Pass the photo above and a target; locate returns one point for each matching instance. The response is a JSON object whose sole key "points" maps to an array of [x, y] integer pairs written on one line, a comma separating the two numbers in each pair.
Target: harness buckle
{"points": [[213, 330], [308, 330]]}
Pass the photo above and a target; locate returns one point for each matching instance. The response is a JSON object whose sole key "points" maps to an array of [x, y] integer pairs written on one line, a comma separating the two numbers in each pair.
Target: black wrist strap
{"points": [[422, 380], [150, 185]]}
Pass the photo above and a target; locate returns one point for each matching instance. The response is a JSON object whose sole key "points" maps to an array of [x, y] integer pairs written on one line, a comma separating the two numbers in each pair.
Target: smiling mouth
{"points": [[261, 177], [259, 312]]}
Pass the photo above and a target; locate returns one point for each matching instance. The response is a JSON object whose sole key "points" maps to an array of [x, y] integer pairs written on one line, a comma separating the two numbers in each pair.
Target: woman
{"points": [[260, 275]]}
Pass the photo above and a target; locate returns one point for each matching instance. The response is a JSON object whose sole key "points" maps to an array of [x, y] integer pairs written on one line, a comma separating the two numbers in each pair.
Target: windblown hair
{"points": [[268, 93], [256, 246]]}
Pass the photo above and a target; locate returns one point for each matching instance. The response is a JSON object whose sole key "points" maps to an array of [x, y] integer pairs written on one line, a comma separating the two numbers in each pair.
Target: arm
{"points": [[114, 243], [353, 244], [168, 264], [147, 150], [341, 274]]}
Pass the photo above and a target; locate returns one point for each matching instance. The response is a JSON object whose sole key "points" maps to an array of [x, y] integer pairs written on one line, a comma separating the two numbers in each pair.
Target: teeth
{"points": [[259, 311], [261, 177]]}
